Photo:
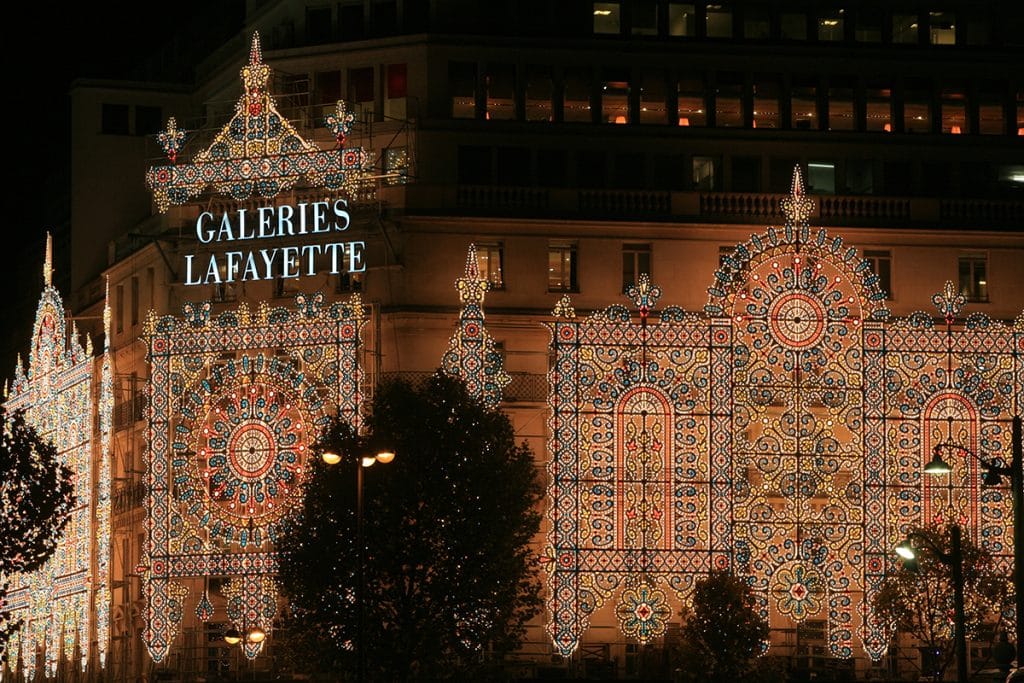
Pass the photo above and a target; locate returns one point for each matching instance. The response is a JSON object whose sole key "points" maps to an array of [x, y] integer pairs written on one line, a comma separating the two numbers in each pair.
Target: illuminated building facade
{"points": [[578, 146]]}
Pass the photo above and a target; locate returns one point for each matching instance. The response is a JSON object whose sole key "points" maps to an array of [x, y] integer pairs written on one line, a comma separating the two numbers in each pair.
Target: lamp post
{"points": [[954, 559], [366, 454], [993, 477]]}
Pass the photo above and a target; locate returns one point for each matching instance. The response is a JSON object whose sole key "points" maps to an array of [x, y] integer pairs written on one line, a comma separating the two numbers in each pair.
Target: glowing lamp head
{"points": [[330, 457], [256, 635], [385, 455], [937, 465], [906, 551], [368, 460], [232, 636]]}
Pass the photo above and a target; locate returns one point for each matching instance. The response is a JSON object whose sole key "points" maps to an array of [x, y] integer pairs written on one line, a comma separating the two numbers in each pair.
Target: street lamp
{"points": [[954, 559], [993, 477], [367, 452]]}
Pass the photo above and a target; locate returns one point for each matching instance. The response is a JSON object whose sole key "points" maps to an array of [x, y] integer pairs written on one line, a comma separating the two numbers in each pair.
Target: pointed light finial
{"points": [[255, 75], [797, 207], [472, 265], [471, 286], [255, 53], [48, 261]]}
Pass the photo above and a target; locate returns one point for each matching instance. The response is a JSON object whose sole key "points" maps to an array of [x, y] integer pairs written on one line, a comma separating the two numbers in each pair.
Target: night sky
{"points": [[46, 47]]}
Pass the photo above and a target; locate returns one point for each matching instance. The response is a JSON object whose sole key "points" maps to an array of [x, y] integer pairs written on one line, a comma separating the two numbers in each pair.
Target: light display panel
{"points": [[781, 434], [236, 399], [471, 354], [65, 605], [258, 152]]}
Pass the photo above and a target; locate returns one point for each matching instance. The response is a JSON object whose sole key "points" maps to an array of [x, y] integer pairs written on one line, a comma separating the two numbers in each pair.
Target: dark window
{"points": [[286, 286], [916, 110], [746, 174], [629, 171], [147, 120], [514, 166], [397, 85], [349, 282], [869, 26], [990, 108], [669, 172], [821, 177], [644, 18], [562, 267], [636, 261], [114, 119], [781, 178], [705, 173], [135, 301], [360, 84], [328, 87], [756, 23], [462, 85], [860, 176], [489, 262], [607, 17], [652, 98], [474, 165], [881, 265], [878, 107], [794, 26], [840, 106], [350, 21], [416, 15], [552, 168], [896, 177], [974, 277], [904, 28], [590, 169], [119, 309], [318, 25], [804, 103], [385, 18]]}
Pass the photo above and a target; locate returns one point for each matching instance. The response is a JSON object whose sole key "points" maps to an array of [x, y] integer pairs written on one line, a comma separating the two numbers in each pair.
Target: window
{"points": [[652, 98], [729, 101], [286, 286], [562, 267], [953, 111], [349, 282], [591, 167], [691, 101], [500, 81], [360, 85], [385, 18], [941, 28], [636, 261], [135, 301], [489, 262], [513, 166], [869, 26], [719, 21], [916, 112], [552, 167], [615, 99], [746, 174], [119, 309], [669, 172], [629, 172], [607, 17], [878, 107], [475, 165], [766, 103], [803, 104], [148, 120], [904, 28], [979, 31], [645, 18], [860, 176], [756, 23], [821, 177], [396, 88], [318, 25], [840, 106], [350, 20], [114, 119], [780, 170], [794, 26], [880, 261], [830, 25], [462, 87], [577, 95], [990, 108], [974, 277], [328, 87], [538, 93], [682, 20], [705, 173]]}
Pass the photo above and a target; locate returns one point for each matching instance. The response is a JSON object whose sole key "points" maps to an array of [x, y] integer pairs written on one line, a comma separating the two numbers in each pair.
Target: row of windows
{"points": [[563, 265], [619, 95], [754, 21], [595, 168]]}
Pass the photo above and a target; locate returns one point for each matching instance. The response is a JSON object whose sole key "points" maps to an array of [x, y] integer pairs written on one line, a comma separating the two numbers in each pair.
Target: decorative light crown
{"points": [[258, 152]]}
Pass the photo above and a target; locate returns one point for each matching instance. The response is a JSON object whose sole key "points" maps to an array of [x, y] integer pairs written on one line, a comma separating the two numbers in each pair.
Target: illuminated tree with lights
{"points": [[724, 631], [36, 499], [449, 573], [919, 601]]}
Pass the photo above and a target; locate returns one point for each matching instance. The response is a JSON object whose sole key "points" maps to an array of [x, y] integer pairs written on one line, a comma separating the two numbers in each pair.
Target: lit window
{"points": [[562, 267], [766, 103], [224, 291], [500, 82], [840, 107], [615, 101], [462, 87], [953, 111], [830, 25], [878, 108], [719, 21], [990, 108], [880, 262], [607, 17], [941, 28], [973, 271], [916, 110], [636, 261], [489, 262], [904, 28], [682, 20], [729, 101], [691, 107], [803, 105], [821, 177], [652, 98], [538, 93], [576, 106], [349, 282], [704, 175]]}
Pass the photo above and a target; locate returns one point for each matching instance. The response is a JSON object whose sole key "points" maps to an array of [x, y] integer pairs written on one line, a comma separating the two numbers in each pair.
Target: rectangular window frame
{"points": [[637, 259], [880, 262], [563, 267], [490, 260], [973, 276]]}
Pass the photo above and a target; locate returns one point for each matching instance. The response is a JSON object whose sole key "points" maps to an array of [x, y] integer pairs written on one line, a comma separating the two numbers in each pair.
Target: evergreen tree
{"points": [[449, 573], [919, 601], [723, 631], [36, 499]]}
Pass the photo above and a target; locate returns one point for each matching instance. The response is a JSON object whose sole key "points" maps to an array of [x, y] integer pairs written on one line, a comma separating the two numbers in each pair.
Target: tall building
{"points": [[578, 146]]}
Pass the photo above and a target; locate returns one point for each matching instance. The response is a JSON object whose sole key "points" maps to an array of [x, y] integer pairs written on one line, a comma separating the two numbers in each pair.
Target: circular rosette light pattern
{"points": [[798, 591], [240, 458], [643, 612]]}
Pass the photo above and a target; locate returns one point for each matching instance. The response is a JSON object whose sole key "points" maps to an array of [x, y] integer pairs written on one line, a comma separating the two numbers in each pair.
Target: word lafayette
{"points": [[272, 222]]}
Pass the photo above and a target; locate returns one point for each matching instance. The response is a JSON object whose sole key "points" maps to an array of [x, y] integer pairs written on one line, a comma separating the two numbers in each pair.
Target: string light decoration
{"points": [[66, 603], [781, 434], [471, 354], [258, 152], [251, 603], [235, 401]]}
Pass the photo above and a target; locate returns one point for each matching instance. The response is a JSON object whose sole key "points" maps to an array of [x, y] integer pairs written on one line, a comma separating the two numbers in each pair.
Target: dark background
{"points": [[45, 48]]}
